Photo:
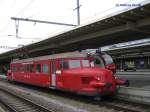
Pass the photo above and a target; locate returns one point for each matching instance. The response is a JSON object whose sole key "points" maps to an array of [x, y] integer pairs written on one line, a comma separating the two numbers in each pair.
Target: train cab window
{"points": [[108, 59], [31, 68], [38, 68], [85, 63], [64, 64], [98, 62], [74, 64], [45, 68]]}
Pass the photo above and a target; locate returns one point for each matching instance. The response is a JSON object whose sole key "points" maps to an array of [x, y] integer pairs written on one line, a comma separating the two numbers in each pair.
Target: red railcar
{"points": [[73, 71]]}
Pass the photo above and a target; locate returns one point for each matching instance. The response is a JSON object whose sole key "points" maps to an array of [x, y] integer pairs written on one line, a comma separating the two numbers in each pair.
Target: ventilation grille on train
{"points": [[86, 80]]}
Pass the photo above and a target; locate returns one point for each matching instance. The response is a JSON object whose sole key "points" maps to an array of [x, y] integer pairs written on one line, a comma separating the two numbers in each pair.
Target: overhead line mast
{"points": [[41, 21], [46, 22], [78, 12]]}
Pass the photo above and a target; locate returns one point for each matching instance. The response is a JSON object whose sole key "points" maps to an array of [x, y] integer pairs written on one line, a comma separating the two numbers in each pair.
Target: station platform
{"points": [[139, 79]]}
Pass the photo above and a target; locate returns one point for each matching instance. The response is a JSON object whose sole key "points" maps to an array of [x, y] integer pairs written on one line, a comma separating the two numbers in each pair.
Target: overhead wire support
{"points": [[41, 21], [78, 12], [17, 26]]}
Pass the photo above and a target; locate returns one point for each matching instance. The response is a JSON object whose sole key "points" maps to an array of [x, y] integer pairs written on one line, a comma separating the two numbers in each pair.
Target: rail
{"points": [[117, 105], [16, 103]]}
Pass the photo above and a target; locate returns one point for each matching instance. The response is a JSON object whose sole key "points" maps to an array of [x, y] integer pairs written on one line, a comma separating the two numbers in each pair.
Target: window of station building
{"points": [[38, 68], [85, 63], [45, 68], [31, 68]]}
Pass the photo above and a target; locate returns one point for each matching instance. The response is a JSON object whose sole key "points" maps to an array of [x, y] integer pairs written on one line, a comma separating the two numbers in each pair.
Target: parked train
{"points": [[79, 72]]}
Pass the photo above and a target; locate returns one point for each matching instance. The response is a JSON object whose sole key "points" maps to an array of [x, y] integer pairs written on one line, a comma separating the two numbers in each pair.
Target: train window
{"points": [[53, 69], [22, 68], [31, 68], [74, 64], [61, 64], [38, 68], [27, 68], [108, 59], [45, 68], [85, 63], [64, 65], [17, 68], [14, 69], [98, 62]]}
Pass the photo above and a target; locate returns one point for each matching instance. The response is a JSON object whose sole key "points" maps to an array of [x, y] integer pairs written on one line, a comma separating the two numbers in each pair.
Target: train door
{"points": [[53, 73]]}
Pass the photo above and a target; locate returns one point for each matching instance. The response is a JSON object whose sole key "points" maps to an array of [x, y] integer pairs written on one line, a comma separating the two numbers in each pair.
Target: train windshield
{"points": [[74, 64], [77, 63], [66, 64], [107, 59], [98, 61]]}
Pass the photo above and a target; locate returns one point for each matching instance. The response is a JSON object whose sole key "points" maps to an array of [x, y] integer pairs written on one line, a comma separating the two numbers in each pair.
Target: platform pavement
{"points": [[137, 72], [139, 79]]}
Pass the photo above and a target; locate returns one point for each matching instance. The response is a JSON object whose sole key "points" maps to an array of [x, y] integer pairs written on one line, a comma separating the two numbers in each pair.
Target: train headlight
{"points": [[98, 78], [58, 72]]}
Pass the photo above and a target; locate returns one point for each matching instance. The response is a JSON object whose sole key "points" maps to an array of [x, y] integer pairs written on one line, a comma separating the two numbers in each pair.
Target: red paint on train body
{"points": [[67, 71]]}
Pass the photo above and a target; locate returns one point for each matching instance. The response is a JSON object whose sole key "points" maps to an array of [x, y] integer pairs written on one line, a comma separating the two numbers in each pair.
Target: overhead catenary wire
{"points": [[8, 47], [25, 7], [104, 11]]}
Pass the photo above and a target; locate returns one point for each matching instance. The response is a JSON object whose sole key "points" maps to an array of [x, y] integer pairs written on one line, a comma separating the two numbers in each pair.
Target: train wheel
{"points": [[97, 98]]}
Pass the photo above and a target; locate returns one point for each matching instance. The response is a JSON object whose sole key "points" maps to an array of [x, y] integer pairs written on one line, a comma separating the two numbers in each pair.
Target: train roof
{"points": [[75, 54]]}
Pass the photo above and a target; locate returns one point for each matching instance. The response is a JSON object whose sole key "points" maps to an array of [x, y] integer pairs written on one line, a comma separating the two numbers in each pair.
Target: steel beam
{"points": [[40, 21]]}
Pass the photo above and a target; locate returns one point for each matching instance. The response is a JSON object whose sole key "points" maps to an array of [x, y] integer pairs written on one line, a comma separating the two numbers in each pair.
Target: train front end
{"points": [[85, 78]]}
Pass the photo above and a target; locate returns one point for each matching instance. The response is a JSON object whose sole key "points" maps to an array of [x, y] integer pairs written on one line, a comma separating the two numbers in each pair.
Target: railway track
{"points": [[15, 103], [126, 106], [109, 103]]}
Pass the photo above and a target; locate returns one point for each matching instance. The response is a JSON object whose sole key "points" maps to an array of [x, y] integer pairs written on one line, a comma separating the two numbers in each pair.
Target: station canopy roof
{"points": [[119, 27]]}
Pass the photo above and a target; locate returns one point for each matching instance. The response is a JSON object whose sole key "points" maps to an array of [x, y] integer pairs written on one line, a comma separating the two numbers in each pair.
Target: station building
{"points": [[136, 57]]}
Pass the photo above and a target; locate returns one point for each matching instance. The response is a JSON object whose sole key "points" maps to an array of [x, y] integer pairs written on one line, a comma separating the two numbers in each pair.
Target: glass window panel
{"points": [[74, 64], [85, 63], [31, 68], [45, 68], [64, 64], [38, 68], [108, 59], [53, 67], [22, 68], [27, 68]]}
